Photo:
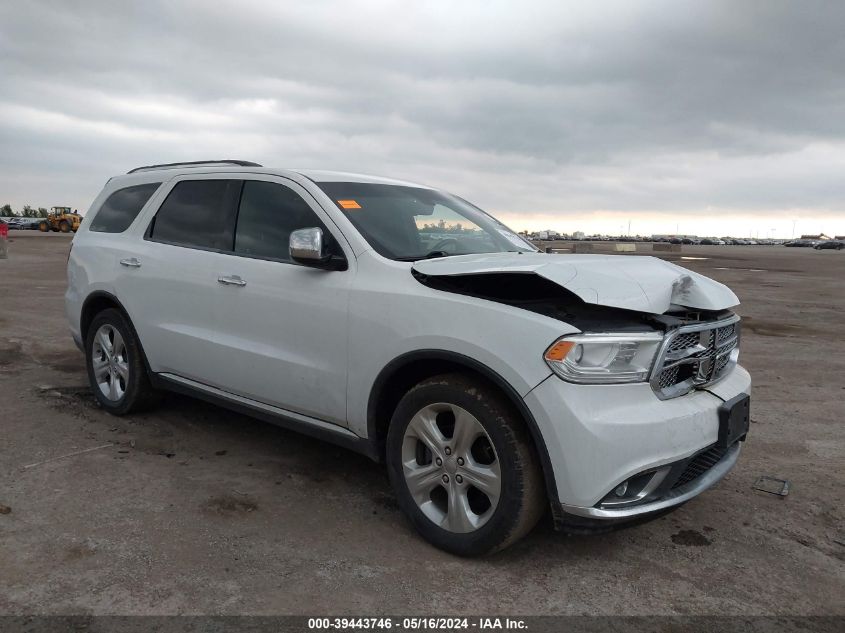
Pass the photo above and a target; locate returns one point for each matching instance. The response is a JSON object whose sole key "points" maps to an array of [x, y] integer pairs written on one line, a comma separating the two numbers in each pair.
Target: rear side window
{"points": [[122, 207], [268, 214], [199, 214]]}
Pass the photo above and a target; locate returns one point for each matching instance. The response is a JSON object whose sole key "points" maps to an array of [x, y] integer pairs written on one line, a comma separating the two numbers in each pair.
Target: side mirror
{"points": [[306, 248]]}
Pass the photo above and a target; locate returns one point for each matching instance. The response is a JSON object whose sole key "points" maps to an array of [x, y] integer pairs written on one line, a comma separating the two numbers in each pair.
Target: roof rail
{"points": [[197, 163]]}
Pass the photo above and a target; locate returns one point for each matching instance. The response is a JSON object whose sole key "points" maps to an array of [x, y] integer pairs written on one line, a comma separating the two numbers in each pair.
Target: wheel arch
{"points": [[95, 303], [405, 371]]}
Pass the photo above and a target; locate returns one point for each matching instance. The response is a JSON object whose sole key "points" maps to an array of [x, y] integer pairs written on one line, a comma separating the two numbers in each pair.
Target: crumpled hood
{"points": [[645, 284]]}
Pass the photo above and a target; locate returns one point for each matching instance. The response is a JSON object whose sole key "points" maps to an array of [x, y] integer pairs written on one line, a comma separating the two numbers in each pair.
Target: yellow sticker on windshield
{"points": [[348, 204]]}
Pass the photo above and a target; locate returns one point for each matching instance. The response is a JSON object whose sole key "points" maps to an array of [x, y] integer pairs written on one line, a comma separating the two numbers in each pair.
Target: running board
{"points": [[290, 420]]}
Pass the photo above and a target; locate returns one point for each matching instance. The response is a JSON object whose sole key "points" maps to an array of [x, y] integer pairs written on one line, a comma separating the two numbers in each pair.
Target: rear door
{"points": [[169, 279], [283, 330]]}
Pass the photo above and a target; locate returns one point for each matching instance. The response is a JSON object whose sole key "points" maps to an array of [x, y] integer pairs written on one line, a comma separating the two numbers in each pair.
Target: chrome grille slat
{"points": [[695, 356]]}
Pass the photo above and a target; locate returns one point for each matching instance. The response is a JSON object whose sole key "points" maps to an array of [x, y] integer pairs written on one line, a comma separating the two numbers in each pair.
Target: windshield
{"points": [[409, 223]]}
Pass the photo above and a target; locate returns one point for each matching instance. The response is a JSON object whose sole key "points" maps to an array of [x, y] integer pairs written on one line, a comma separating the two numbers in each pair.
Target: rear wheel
{"points": [[115, 364], [463, 466], [64, 226]]}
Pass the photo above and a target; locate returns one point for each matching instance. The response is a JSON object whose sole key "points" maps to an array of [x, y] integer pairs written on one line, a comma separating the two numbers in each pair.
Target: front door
{"points": [[282, 327]]}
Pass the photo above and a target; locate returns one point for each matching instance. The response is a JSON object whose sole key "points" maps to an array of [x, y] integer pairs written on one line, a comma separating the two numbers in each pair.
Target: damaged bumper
{"points": [[601, 438], [675, 495]]}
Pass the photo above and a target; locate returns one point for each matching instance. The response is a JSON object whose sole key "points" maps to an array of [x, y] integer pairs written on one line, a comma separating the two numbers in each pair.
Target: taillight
{"points": [[4, 229]]}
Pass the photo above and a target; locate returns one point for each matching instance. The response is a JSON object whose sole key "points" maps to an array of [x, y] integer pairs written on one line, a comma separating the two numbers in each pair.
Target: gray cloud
{"points": [[673, 108]]}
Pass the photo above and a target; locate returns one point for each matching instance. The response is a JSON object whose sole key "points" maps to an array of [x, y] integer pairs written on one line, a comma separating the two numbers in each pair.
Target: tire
{"points": [[120, 385], [480, 420], [64, 226], [43, 226]]}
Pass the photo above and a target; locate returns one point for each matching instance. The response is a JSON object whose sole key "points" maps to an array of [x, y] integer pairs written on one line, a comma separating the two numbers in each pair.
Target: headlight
{"points": [[601, 359]]}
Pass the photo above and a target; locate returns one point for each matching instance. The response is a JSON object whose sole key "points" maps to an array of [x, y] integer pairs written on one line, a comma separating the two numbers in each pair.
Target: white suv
{"points": [[405, 323]]}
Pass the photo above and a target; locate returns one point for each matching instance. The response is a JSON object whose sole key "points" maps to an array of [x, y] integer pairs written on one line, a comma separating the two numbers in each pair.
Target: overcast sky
{"points": [[709, 117]]}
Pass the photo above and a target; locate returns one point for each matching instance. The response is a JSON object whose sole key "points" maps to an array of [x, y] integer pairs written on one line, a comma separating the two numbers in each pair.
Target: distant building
{"points": [[820, 236], [578, 235]]}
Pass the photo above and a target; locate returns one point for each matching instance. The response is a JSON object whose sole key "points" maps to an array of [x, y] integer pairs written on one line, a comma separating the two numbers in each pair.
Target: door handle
{"points": [[131, 262], [231, 280]]}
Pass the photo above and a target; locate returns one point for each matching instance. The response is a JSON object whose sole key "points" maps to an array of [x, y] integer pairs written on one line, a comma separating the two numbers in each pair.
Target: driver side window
{"points": [[268, 213]]}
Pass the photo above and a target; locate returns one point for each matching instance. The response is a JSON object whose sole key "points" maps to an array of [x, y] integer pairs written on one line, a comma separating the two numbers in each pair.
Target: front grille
{"points": [[695, 356], [700, 464], [683, 341], [724, 333], [668, 377]]}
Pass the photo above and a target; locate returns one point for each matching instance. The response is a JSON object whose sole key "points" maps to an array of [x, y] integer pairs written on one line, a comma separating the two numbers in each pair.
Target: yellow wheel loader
{"points": [[60, 219]]}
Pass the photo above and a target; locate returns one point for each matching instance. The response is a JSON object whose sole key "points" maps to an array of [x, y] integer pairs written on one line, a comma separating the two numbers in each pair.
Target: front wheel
{"points": [[116, 369], [463, 466], [43, 226]]}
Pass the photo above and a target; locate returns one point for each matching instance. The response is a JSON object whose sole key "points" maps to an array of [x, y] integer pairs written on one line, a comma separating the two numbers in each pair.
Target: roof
{"points": [[316, 175]]}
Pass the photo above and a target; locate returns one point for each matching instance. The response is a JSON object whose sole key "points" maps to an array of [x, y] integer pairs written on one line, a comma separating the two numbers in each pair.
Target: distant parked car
{"points": [[801, 243], [22, 224], [707, 242], [837, 245]]}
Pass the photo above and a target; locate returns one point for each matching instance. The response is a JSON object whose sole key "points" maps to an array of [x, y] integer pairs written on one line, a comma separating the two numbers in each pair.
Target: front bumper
{"points": [[599, 437], [673, 497]]}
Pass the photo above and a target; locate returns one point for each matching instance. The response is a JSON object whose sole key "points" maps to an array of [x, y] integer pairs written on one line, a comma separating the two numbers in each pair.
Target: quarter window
{"points": [[198, 213], [268, 213], [122, 207]]}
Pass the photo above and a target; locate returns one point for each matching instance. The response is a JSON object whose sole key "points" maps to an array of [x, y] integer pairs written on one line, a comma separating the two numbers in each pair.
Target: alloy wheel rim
{"points": [[110, 362], [451, 468]]}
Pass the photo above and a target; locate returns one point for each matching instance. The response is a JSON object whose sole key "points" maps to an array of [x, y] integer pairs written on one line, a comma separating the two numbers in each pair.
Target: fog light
{"points": [[621, 489]]}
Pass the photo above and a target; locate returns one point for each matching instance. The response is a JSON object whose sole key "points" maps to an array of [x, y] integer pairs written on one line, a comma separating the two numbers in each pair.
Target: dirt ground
{"points": [[191, 509]]}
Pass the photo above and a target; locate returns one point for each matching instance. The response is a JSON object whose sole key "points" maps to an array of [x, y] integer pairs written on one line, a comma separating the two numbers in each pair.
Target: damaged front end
{"points": [[532, 292], [623, 339]]}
